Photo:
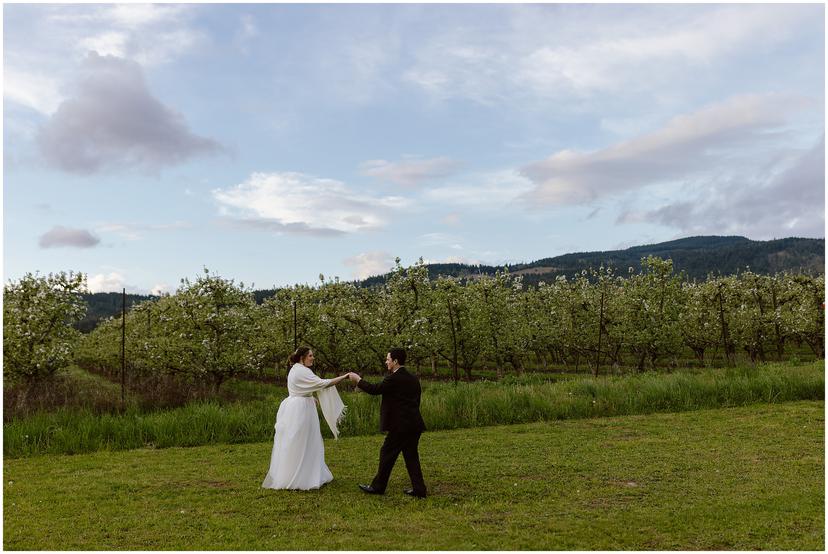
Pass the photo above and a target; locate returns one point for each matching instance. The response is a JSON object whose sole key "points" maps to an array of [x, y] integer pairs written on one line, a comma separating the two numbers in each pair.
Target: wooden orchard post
{"points": [[123, 347]]}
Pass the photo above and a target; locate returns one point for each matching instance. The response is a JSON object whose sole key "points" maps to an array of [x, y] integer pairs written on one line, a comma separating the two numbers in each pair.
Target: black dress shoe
{"points": [[410, 492], [369, 489]]}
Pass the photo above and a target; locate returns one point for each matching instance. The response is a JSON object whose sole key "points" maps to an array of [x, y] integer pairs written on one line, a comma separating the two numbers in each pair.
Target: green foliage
{"points": [[276, 338], [500, 312], [696, 257], [213, 317], [38, 314], [205, 332], [698, 319], [458, 329], [804, 318], [653, 301], [212, 329], [335, 325], [402, 312]]}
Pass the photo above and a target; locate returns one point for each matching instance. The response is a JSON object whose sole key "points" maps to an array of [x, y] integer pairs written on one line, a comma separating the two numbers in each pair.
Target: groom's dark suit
{"points": [[400, 416]]}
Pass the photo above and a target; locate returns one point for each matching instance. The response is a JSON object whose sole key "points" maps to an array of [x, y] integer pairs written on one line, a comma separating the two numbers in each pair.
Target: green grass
{"points": [[745, 478], [251, 389], [714, 358], [444, 406]]}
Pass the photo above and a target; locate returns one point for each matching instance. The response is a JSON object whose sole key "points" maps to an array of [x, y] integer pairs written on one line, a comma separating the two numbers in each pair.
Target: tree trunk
{"points": [[641, 359], [728, 348], [699, 352], [751, 351], [453, 341], [780, 341], [759, 336], [816, 346], [616, 356], [600, 332]]}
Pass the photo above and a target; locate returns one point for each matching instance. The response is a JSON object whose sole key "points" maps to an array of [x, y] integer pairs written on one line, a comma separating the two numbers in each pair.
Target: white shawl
{"points": [[304, 382]]}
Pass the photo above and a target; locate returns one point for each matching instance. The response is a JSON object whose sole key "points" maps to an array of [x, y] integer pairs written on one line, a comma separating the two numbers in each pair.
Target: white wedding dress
{"points": [[298, 458]]}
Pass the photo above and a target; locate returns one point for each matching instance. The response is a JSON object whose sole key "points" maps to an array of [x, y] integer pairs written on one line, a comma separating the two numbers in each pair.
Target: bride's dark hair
{"points": [[297, 356]]}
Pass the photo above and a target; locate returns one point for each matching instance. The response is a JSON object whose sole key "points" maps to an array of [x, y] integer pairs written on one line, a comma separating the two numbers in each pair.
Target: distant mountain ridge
{"points": [[695, 256]]}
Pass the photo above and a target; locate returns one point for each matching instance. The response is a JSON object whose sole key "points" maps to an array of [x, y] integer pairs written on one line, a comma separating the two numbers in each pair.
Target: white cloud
{"points": [[139, 15], [166, 46], [463, 63], [368, 264], [441, 239], [65, 237], [109, 282], [452, 219], [249, 28], [568, 53], [410, 171], [148, 33], [136, 231], [786, 200], [247, 32], [33, 90], [125, 15], [486, 191], [626, 127], [357, 64], [112, 120], [298, 203], [113, 279], [109, 43], [36, 67], [161, 288], [454, 260], [711, 139], [346, 56]]}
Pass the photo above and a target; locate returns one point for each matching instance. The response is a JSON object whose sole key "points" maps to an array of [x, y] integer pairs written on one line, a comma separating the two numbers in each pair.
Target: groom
{"points": [[400, 416]]}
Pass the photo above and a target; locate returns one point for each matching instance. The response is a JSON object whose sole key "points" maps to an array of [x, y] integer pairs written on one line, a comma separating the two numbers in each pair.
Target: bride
{"points": [[298, 458]]}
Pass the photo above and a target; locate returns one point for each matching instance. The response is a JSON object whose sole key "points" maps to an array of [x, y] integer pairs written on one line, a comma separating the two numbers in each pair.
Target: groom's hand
{"points": [[354, 377]]}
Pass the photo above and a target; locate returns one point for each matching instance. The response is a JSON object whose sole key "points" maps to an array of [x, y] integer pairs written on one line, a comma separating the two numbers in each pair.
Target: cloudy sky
{"points": [[271, 143]]}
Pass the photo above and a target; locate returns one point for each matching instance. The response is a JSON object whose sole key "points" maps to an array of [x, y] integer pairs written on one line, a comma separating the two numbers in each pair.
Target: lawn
{"points": [[747, 478]]}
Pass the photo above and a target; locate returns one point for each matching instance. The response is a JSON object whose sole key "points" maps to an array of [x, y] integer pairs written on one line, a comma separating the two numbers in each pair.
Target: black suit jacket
{"points": [[400, 407]]}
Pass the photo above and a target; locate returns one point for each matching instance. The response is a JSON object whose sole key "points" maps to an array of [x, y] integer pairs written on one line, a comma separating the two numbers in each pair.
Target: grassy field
{"points": [[737, 478], [444, 406]]}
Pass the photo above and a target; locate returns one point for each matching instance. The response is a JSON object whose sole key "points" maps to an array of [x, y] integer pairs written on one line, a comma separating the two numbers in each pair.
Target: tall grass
{"points": [[444, 406], [483, 404], [72, 388]]}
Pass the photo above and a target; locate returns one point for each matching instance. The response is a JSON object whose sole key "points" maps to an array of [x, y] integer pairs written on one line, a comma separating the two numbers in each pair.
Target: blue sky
{"points": [[274, 142]]}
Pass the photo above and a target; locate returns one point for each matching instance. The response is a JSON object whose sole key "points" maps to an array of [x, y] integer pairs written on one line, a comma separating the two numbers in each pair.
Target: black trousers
{"points": [[396, 442]]}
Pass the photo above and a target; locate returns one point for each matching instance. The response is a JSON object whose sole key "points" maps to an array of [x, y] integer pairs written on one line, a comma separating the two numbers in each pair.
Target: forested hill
{"points": [[696, 256], [106, 304], [700, 256]]}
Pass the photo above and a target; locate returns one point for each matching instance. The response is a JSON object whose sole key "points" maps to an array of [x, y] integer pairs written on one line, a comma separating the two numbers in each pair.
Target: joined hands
{"points": [[354, 377]]}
